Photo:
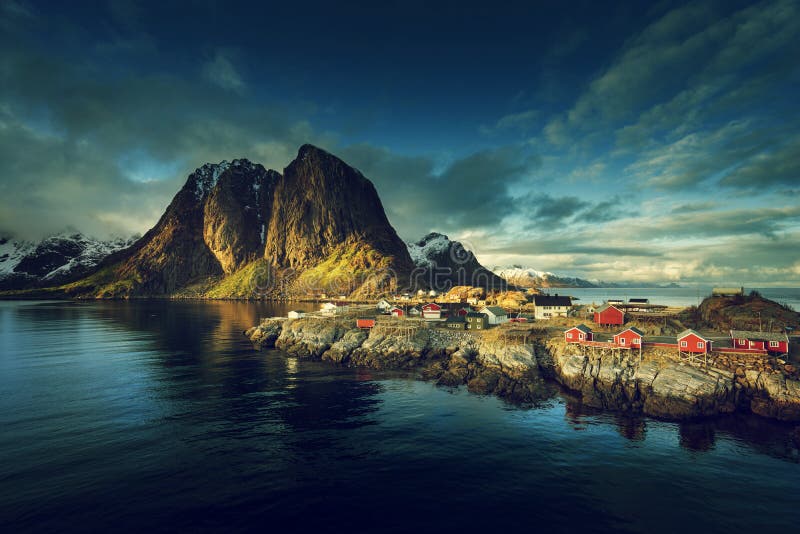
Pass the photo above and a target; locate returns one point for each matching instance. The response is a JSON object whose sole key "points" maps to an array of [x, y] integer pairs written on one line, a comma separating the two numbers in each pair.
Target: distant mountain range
{"points": [[57, 259], [525, 277]]}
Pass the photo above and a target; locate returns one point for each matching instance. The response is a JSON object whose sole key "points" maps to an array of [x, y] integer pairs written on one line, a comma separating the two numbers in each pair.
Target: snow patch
{"points": [[429, 247], [207, 176], [11, 253], [89, 253]]}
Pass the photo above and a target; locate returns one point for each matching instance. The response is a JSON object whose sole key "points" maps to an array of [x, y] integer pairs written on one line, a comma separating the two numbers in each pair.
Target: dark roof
{"points": [[551, 300], [476, 314], [688, 332], [766, 336], [606, 306], [456, 319], [582, 327], [638, 301], [497, 310], [634, 330]]}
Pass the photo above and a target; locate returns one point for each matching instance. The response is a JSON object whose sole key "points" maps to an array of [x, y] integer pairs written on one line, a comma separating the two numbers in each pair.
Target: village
{"points": [[616, 327]]}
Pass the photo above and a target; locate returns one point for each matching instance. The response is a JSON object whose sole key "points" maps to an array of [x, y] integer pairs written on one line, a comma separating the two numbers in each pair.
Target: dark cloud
{"points": [[547, 211], [77, 143], [566, 246], [691, 207], [471, 192], [766, 222], [780, 166]]}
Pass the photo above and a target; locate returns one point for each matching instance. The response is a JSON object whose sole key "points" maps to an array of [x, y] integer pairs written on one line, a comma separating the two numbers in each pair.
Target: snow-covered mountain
{"points": [[56, 259], [445, 264], [526, 277]]}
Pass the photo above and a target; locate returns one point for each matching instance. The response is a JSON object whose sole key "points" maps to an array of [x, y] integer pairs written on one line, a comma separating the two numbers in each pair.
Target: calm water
{"points": [[682, 296], [159, 416]]}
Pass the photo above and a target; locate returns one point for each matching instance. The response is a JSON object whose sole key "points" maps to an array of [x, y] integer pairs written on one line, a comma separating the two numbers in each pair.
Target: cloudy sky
{"points": [[627, 141]]}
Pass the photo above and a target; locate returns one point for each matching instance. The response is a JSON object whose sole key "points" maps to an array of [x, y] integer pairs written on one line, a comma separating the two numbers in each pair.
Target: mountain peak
{"points": [[309, 150]]}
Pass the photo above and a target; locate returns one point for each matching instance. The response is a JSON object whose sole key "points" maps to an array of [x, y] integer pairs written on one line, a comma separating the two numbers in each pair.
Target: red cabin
{"points": [[691, 341], [609, 315], [463, 312], [630, 337], [766, 341], [579, 333], [365, 322], [397, 312]]}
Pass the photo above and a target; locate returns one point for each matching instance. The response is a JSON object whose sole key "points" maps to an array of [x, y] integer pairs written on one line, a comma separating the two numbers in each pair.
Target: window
{"points": [[569, 335], [622, 341], [773, 343], [741, 342], [580, 336], [700, 344], [637, 341], [684, 344]]}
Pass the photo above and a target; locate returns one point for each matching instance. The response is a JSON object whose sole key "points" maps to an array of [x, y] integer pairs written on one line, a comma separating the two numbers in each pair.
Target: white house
{"points": [[296, 314], [495, 314], [547, 306], [383, 306], [334, 308], [431, 311]]}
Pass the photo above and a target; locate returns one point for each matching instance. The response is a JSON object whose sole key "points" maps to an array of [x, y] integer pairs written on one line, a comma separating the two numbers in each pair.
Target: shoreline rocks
{"points": [[658, 386]]}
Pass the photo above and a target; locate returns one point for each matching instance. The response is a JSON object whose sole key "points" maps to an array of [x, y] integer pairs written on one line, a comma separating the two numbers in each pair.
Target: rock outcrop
{"points": [[658, 386]]}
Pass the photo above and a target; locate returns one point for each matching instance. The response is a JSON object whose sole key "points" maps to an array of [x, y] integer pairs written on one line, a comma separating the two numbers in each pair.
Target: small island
{"points": [[697, 362]]}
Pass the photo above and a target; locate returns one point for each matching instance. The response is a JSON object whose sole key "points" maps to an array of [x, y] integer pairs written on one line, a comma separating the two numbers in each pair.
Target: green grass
{"points": [[251, 281]]}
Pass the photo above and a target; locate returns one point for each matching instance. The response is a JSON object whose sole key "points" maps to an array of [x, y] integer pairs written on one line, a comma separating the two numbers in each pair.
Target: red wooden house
{"points": [[767, 341], [431, 311], [462, 312], [691, 341], [397, 312], [365, 322], [608, 314], [579, 333], [630, 337]]}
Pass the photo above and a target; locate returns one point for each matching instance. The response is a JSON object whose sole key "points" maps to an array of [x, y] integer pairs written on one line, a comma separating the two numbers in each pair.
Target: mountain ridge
{"points": [[236, 229]]}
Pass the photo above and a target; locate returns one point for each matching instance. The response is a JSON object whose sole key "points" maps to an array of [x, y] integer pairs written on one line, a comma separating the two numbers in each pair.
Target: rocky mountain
{"points": [[442, 264], [55, 260], [236, 229], [525, 277]]}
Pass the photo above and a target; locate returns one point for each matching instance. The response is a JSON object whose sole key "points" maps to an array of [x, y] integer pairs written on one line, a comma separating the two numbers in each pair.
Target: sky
{"points": [[617, 141]]}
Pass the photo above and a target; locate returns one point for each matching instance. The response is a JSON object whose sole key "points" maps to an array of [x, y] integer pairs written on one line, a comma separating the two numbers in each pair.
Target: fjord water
{"points": [[160, 416]]}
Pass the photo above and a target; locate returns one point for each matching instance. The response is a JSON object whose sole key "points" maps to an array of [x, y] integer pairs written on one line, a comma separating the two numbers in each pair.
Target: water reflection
{"points": [[697, 436]]}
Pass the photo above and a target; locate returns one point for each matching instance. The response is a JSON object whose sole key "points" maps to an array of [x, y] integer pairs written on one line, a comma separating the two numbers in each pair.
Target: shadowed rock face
{"points": [[237, 213], [322, 202]]}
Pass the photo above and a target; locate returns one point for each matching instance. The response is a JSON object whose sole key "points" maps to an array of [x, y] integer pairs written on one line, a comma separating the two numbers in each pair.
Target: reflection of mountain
{"points": [[201, 355]]}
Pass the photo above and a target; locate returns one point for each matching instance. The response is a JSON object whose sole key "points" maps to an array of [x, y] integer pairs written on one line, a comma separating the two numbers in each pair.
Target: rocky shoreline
{"points": [[658, 386]]}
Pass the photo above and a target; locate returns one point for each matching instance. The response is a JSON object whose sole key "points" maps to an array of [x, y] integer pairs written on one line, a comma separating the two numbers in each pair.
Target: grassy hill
{"points": [[746, 312]]}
